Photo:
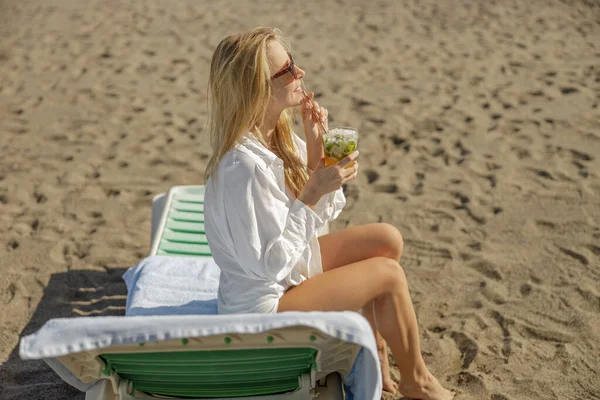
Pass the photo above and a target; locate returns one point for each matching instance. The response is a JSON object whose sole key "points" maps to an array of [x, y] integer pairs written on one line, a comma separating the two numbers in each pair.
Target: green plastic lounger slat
{"points": [[185, 206], [217, 373], [184, 376], [186, 216], [184, 249], [190, 191], [280, 355], [187, 198], [189, 227], [181, 230], [186, 373], [182, 237]]}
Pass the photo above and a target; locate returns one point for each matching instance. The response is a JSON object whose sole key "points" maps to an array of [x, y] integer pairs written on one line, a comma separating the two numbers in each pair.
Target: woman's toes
{"points": [[390, 386]]}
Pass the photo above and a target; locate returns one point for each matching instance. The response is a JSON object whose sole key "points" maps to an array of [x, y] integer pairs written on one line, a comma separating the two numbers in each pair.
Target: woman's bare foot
{"points": [[426, 389], [390, 386], [388, 383]]}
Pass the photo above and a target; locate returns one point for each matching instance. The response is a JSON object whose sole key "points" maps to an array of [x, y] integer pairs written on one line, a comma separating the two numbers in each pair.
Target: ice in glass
{"points": [[338, 143]]}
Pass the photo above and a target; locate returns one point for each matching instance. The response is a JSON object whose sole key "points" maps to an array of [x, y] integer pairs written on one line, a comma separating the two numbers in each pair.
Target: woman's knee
{"points": [[392, 240], [391, 274]]}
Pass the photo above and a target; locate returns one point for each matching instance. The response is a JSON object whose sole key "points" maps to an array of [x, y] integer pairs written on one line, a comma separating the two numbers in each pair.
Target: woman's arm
{"points": [[328, 207], [314, 151], [268, 237], [311, 113]]}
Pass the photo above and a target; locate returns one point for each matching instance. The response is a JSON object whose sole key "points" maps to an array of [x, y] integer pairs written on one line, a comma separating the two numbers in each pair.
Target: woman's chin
{"points": [[295, 103]]}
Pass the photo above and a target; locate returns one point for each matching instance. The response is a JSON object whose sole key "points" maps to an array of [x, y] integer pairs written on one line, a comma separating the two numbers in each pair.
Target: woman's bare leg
{"points": [[359, 243], [350, 288], [388, 383]]}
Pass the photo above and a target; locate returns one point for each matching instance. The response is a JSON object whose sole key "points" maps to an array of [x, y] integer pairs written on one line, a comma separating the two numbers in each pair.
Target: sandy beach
{"points": [[479, 140]]}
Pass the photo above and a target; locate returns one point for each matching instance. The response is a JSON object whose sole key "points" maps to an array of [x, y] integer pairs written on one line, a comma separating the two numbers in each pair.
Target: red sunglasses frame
{"points": [[290, 68]]}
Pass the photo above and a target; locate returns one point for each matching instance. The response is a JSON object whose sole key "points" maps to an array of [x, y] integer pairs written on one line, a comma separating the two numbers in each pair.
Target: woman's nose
{"points": [[299, 73]]}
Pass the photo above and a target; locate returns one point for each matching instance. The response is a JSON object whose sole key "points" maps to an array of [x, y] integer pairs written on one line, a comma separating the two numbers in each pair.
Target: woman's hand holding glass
{"points": [[324, 180]]}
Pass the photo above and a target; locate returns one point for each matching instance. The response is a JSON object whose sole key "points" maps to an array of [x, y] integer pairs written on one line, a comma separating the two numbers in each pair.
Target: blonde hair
{"points": [[240, 89]]}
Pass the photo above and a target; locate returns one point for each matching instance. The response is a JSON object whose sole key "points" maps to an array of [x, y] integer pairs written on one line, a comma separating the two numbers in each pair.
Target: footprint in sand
{"points": [[398, 141], [13, 244], [468, 208], [476, 246], [371, 175], [546, 226], [468, 380], [568, 90], [507, 338], [490, 293], [486, 268], [594, 249], [542, 173], [525, 289], [39, 197], [436, 220], [579, 159], [112, 192], [61, 252], [575, 255], [582, 169], [386, 188], [467, 347], [427, 254], [463, 151], [590, 298]]}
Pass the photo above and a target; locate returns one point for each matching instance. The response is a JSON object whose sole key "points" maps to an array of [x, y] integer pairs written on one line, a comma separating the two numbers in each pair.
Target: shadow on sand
{"points": [[68, 295]]}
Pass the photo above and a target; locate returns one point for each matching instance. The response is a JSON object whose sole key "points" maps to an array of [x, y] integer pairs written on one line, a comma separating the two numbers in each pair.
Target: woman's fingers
{"points": [[310, 97], [324, 115], [350, 158], [346, 172], [353, 175], [316, 112], [311, 110], [350, 177], [307, 104]]}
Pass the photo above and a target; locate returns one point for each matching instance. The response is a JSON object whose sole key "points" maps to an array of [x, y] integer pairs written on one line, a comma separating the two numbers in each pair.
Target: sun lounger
{"points": [[168, 350]]}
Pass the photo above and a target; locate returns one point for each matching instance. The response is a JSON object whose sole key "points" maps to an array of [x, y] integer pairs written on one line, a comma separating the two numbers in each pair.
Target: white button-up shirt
{"points": [[263, 239]]}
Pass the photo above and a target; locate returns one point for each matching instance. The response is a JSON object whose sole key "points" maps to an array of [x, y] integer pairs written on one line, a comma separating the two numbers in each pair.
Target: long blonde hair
{"points": [[240, 89]]}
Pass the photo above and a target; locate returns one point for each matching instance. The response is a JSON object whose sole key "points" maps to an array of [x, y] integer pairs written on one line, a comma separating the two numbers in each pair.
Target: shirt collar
{"points": [[252, 144]]}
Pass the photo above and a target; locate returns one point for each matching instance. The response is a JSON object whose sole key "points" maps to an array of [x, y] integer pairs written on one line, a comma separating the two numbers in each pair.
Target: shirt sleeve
{"points": [[269, 236], [329, 206]]}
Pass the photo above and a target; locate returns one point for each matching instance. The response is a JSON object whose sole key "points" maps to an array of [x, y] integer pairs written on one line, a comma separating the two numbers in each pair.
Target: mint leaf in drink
{"points": [[351, 146]]}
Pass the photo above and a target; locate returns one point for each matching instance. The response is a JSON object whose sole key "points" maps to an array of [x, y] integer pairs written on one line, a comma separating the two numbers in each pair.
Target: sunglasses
{"points": [[290, 68]]}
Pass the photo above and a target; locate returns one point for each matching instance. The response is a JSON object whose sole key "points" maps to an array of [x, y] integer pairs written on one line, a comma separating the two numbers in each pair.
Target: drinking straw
{"points": [[314, 111]]}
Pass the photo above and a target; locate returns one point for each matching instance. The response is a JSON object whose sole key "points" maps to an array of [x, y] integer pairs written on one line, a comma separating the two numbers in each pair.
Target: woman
{"points": [[268, 193]]}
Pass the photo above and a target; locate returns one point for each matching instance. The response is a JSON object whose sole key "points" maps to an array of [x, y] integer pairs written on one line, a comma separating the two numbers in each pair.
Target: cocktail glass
{"points": [[338, 143]]}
